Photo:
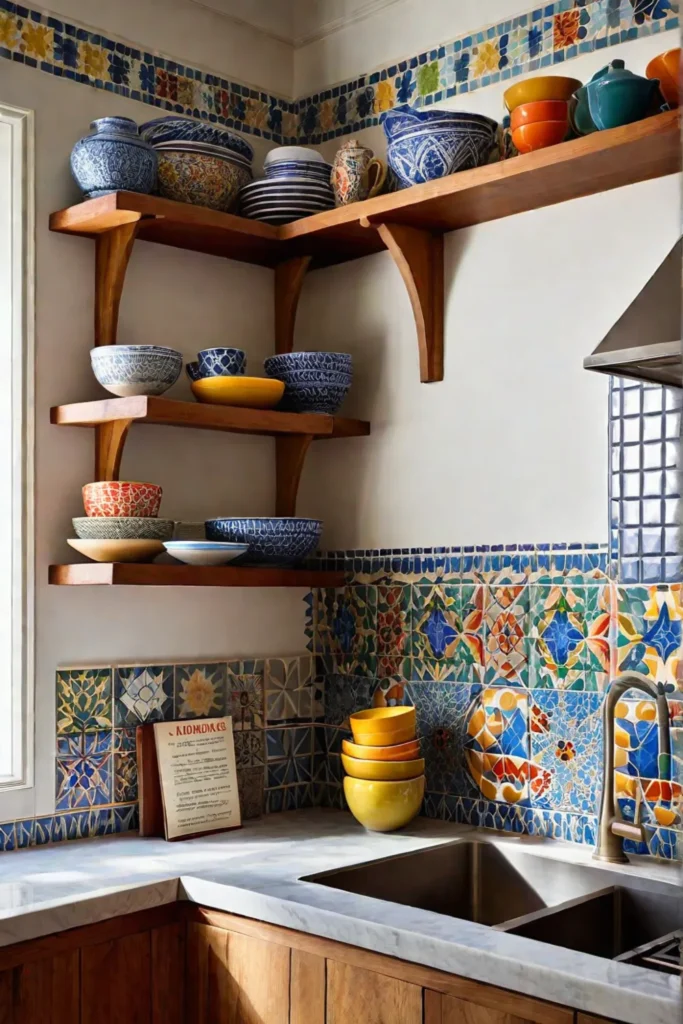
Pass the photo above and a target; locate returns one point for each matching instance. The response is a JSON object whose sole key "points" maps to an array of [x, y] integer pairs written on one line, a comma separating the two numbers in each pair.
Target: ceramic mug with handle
{"points": [[357, 174]]}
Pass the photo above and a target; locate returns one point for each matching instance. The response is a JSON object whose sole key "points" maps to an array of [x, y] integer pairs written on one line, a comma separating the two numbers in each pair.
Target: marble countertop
{"points": [[257, 872]]}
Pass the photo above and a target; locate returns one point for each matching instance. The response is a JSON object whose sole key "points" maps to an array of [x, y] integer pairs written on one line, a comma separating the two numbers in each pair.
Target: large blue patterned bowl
{"points": [[136, 369], [271, 540], [425, 145], [340, 377], [174, 128], [321, 398], [335, 361]]}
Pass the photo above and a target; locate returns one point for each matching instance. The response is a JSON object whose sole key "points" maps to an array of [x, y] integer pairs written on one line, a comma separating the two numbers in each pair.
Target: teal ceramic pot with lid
{"points": [[613, 97]]}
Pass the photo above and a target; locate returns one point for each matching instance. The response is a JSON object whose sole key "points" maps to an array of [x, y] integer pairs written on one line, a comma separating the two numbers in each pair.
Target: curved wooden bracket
{"points": [[110, 439], [289, 279], [418, 255], [290, 455], [112, 252]]}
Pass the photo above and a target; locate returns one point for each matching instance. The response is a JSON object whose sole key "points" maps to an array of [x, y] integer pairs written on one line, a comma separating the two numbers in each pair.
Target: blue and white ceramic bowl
{"points": [[291, 377], [340, 362], [221, 362], [192, 370], [175, 128], [271, 540], [136, 369], [298, 169], [205, 552], [425, 145], [113, 157], [321, 398], [290, 153]]}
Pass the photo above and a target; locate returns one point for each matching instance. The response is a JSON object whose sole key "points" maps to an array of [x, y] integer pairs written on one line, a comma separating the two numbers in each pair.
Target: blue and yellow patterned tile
{"points": [[125, 777], [389, 692], [636, 743], [125, 818], [42, 830], [246, 702], [8, 837], [441, 710], [24, 832], [84, 700], [249, 748], [83, 781], [649, 623], [123, 741], [345, 694], [200, 690], [566, 740], [497, 722], [436, 625], [143, 694]]}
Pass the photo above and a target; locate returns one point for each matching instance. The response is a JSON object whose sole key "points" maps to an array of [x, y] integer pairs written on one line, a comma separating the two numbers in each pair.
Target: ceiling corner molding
{"points": [[288, 39], [329, 28]]}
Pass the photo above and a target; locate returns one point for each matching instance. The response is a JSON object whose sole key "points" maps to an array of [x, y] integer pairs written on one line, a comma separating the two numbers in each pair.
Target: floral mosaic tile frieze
{"points": [[545, 35]]}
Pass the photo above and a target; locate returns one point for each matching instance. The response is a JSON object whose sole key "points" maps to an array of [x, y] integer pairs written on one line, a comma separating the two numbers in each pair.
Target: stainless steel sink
{"points": [[591, 910]]}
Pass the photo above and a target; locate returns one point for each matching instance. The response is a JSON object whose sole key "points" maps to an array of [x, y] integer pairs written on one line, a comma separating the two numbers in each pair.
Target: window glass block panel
{"points": [[645, 423]]}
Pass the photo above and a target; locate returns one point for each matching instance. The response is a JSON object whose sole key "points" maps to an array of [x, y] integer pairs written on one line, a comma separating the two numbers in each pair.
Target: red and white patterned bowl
{"points": [[122, 498]]}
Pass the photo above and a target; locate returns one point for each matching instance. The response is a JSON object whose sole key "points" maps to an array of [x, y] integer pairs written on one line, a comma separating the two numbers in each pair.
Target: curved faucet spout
{"points": [[612, 828]]}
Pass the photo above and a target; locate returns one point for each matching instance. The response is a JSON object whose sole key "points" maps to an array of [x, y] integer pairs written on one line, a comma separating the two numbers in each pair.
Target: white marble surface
{"points": [[257, 872]]}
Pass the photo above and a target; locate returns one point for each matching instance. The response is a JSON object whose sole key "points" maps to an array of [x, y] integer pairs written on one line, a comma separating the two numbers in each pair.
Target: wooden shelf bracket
{"points": [[110, 439], [290, 455], [289, 279], [112, 253], [418, 254]]}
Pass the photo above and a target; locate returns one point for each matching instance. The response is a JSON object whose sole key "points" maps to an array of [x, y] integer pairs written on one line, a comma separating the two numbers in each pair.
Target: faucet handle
{"points": [[632, 830]]}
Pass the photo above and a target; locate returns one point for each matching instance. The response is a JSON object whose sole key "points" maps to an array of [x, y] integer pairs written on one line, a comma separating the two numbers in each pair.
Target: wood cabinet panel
{"points": [[116, 982], [307, 988], [357, 996], [236, 979], [168, 974], [41, 992], [586, 1018]]}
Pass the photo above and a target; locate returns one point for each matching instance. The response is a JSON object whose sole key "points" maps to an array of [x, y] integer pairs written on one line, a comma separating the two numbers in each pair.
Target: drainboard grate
{"points": [[665, 954]]}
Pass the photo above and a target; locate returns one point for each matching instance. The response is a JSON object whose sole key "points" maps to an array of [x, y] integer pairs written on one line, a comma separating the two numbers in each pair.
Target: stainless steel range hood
{"points": [[645, 343]]}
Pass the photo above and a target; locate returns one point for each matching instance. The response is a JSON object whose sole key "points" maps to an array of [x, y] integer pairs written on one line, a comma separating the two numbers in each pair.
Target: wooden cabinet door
{"points": [[445, 1009], [356, 996], [41, 992], [586, 1018], [116, 981], [236, 979]]}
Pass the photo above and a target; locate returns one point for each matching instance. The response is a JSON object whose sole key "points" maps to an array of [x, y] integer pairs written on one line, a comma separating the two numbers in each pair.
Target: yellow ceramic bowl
{"points": [[383, 771], [400, 752], [380, 727], [384, 806], [118, 550], [541, 87], [248, 392]]}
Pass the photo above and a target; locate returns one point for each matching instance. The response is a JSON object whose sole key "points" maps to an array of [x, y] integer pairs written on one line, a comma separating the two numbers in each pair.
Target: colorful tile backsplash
{"points": [[506, 652], [545, 35]]}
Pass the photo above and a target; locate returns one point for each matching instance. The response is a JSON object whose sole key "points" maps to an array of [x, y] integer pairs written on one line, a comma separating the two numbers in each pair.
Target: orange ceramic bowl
{"points": [[667, 68], [380, 727], [398, 752], [122, 498], [538, 135], [541, 110]]}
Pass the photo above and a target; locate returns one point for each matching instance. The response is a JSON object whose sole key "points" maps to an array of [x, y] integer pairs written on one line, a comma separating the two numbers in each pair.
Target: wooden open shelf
{"points": [[128, 574], [294, 432], [410, 224]]}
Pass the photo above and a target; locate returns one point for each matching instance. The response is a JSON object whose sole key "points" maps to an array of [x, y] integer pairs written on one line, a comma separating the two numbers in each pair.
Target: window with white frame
{"points": [[16, 447]]}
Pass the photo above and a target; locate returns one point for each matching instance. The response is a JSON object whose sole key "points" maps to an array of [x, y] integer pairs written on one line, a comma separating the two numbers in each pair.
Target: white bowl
{"points": [[205, 552], [293, 153]]}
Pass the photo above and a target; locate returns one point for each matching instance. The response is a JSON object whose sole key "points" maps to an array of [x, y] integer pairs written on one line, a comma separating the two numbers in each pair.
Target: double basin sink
{"points": [[598, 911]]}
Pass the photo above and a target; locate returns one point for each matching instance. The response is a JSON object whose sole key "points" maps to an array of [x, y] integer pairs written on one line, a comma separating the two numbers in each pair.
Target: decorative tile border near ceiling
{"points": [[645, 429], [546, 34], [275, 704], [507, 652]]}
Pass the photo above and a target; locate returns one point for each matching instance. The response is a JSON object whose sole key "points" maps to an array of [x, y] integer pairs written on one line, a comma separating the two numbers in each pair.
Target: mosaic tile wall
{"points": [[645, 423], [506, 653], [275, 705], [544, 35]]}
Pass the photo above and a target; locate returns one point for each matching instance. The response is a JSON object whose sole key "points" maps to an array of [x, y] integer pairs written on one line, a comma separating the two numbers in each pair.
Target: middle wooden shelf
{"points": [[112, 418]]}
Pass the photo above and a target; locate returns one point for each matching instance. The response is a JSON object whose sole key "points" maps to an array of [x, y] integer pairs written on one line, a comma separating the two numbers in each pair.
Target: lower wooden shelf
{"points": [[128, 574]]}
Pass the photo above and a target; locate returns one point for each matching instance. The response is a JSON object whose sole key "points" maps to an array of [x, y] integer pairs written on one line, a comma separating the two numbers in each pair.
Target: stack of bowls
{"points": [[384, 782], [121, 524], [199, 163], [218, 378], [426, 144], [136, 369], [539, 111], [314, 381], [296, 185]]}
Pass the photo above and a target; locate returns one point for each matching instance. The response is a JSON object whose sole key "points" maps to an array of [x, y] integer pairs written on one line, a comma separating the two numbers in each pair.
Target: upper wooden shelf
{"points": [[582, 167], [129, 574], [234, 420]]}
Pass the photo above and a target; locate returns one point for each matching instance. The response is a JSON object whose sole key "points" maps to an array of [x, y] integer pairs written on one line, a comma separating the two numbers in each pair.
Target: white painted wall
{"points": [[182, 299], [194, 34], [512, 445], [350, 37]]}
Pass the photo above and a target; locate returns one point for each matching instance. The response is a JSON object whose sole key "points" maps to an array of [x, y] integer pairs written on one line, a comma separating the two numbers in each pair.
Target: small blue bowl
{"points": [[221, 362], [271, 540]]}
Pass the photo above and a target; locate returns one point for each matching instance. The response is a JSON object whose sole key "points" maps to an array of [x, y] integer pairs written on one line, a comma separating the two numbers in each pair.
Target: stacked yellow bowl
{"points": [[384, 782]]}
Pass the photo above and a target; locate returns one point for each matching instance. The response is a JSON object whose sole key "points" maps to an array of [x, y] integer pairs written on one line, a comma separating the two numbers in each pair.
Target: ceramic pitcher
{"points": [[356, 173]]}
